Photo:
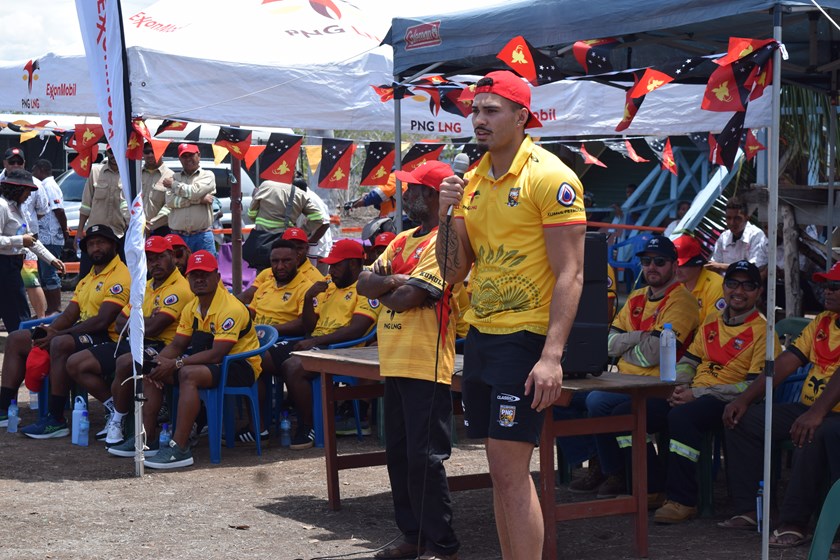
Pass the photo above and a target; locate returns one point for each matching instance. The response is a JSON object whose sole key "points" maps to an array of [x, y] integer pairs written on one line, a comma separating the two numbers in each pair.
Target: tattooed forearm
{"points": [[450, 259]]}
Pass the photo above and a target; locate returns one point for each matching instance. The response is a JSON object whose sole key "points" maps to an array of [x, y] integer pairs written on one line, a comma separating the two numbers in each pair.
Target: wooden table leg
{"points": [[330, 451], [547, 496], [639, 466]]}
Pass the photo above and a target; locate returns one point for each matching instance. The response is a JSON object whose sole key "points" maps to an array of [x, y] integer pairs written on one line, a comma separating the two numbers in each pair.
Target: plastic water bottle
{"points": [[79, 407], [14, 417], [33, 400], [84, 429], [759, 505], [165, 436], [667, 354], [285, 430]]}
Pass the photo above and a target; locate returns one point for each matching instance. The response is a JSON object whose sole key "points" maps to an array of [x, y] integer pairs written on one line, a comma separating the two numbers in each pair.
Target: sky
{"points": [[32, 28]]}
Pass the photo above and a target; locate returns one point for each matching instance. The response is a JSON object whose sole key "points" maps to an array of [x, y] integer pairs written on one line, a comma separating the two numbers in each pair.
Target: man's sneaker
{"points": [[614, 485], [589, 483], [45, 428], [673, 512], [4, 419], [171, 457], [126, 449], [114, 432], [103, 433], [304, 438], [347, 427], [247, 436]]}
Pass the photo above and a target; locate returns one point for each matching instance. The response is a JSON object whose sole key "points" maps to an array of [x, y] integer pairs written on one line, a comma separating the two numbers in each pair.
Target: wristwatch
{"points": [[179, 363]]}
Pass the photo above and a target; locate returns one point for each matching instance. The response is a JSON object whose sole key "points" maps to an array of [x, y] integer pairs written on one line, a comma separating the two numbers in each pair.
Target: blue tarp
{"points": [[468, 41]]}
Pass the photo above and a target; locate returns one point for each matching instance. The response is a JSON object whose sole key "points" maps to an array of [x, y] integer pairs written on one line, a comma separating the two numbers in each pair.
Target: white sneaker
{"points": [[114, 432]]}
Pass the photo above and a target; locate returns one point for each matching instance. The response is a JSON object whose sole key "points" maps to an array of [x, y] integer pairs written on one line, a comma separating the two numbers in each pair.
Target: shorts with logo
{"points": [[495, 370], [85, 341], [108, 352], [281, 352]]}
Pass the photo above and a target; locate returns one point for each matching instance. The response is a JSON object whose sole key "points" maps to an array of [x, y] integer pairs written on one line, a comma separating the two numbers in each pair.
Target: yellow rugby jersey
{"points": [[112, 285], [169, 298], [408, 341], [612, 287], [512, 282], [336, 307], [227, 320], [728, 353], [277, 305], [709, 293], [819, 343], [462, 296], [639, 313]]}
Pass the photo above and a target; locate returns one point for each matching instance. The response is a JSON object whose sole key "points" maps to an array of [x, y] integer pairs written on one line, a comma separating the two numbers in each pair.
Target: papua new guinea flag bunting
{"points": [[334, 172], [279, 159], [235, 140], [379, 161]]}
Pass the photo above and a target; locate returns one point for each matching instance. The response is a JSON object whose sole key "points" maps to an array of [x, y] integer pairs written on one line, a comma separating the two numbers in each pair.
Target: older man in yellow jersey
{"points": [[419, 321], [705, 285]]}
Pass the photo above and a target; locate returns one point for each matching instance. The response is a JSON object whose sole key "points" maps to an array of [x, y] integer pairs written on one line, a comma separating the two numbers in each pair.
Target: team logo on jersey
{"points": [[513, 197], [99, 286], [348, 296], [637, 311], [738, 343], [720, 304], [609, 282], [116, 289], [566, 194], [417, 253], [286, 296], [171, 299], [228, 324], [374, 303], [212, 327], [711, 337], [507, 414], [821, 335]]}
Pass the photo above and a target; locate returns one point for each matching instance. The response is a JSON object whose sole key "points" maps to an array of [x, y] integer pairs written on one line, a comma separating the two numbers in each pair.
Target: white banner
{"points": [[102, 37]]}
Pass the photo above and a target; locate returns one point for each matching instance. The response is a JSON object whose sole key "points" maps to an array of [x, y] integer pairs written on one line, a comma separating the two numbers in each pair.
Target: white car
{"points": [[72, 185]]}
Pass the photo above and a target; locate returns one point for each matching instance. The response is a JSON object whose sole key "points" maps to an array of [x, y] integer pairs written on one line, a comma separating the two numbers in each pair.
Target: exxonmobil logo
{"points": [[423, 35]]}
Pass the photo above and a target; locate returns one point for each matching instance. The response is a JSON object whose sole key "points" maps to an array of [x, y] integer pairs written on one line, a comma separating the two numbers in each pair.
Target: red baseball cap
{"points": [[175, 240], [345, 249], [689, 251], [383, 239], [431, 174], [832, 275], [187, 149], [506, 84], [202, 260], [157, 244], [295, 234]]}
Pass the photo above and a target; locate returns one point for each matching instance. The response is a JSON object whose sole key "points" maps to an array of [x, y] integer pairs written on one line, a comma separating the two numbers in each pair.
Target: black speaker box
{"points": [[586, 349]]}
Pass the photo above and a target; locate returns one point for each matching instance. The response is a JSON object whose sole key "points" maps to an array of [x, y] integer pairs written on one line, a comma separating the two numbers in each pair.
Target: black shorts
{"points": [[108, 352], [281, 352], [240, 374], [495, 370], [85, 341]]}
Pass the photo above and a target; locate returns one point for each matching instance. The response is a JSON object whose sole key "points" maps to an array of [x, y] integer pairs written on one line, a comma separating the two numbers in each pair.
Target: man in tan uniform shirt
{"points": [[154, 193], [189, 197], [102, 199]]}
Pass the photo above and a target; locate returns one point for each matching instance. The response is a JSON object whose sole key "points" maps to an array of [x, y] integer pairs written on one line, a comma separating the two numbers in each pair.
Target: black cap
{"points": [[98, 230], [14, 152], [745, 267], [660, 245], [20, 178]]}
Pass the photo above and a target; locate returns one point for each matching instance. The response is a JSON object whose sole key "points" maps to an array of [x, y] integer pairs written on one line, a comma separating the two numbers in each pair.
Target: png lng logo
{"points": [[30, 75]]}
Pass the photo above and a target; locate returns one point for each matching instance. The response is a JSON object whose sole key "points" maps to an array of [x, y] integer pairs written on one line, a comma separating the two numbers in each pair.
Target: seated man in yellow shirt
{"points": [[167, 294], [214, 325], [330, 316], [299, 239], [86, 322]]}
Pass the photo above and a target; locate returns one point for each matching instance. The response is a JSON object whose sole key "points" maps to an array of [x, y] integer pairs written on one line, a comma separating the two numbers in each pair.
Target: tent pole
{"points": [[772, 227], [831, 159], [398, 159], [236, 224]]}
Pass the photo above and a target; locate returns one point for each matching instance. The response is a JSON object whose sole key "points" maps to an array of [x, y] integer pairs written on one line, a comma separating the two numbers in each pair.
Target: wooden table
{"points": [[364, 364]]}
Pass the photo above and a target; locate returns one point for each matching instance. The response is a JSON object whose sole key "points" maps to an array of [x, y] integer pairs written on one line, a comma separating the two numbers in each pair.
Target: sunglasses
{"points": [[658, 261], [831, 286], [748, 285]]}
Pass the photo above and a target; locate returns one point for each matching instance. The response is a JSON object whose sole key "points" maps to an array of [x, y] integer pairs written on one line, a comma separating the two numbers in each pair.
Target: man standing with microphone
{"points": [[520, 218]]}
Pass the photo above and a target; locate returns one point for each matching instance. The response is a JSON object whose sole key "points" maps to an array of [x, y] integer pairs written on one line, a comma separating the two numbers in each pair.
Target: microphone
{"points": [[459, 166]]}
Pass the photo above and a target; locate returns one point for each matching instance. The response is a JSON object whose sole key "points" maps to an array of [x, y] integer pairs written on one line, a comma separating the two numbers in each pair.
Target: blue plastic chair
{"points": [[317, 415], [827, 525], [44, 393], [215, 399], [631, 264]]}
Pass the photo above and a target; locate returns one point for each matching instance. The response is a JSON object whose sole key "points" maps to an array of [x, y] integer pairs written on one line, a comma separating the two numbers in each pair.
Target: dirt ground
{"points": [[63, 501]]}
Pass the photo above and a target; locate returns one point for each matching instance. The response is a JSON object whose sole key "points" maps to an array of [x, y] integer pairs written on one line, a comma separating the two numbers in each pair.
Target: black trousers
{"points": [[745, 450], [14, 307], [416, 448]]}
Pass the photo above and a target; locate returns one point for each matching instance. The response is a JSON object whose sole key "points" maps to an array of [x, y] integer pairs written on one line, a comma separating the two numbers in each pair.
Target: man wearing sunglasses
{"points": [[805, 422], [729, 349], [634, 340]]}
